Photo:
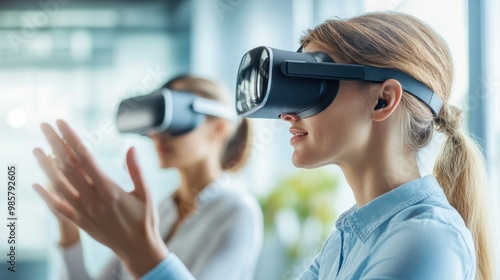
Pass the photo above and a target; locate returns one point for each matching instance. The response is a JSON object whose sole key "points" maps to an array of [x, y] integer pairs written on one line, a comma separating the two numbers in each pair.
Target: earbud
{"points": [[381, 104]]}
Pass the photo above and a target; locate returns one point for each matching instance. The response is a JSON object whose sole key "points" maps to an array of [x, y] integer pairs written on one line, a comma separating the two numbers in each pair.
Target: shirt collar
{"points": [[364, 220]]}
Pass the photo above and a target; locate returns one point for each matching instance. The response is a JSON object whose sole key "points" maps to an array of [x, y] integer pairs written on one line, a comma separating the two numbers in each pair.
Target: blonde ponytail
{"points": [[461, 172], [400, 41]]}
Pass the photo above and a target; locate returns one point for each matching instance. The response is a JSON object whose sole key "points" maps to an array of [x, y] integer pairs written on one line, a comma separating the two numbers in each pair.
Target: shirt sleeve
{"points": [[73, 259], [421, 249], [170, 268], [312, 272]]}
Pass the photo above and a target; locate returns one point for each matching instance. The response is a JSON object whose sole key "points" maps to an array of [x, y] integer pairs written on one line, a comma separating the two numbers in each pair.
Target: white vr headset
{"points": [[168, 111]]}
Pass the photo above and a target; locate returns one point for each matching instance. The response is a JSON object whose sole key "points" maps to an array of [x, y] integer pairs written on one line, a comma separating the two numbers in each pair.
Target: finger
{"points": [[50, 189], [87, 162], [79, 180], [57, 206], [68, 161], [57, 179], [101, 183], [140, 190], [60, 149]]}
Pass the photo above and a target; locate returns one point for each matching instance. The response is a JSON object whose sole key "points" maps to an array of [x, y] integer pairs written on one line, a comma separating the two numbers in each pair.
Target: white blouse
{"points": [[220, 240]]}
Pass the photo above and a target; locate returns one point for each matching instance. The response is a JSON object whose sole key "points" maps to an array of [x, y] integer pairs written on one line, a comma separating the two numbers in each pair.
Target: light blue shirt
{"points": [[411, 232], [170, 268]]}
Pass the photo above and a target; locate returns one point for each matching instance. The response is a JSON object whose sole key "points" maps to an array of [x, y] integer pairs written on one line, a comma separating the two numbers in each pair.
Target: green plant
{"points": [[307, 193]]}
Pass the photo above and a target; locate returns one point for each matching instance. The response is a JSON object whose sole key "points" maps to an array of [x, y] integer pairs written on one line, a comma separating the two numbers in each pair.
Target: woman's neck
{"points": [[379, 169], [194, 179], [369, 183]]}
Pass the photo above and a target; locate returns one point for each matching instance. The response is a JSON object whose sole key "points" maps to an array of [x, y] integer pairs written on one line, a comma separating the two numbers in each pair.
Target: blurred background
{"points": [[76, 60]]}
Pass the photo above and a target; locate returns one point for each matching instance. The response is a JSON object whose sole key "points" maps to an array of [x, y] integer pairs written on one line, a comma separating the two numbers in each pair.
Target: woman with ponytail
{"points": [[404, 226], [213, 229]]}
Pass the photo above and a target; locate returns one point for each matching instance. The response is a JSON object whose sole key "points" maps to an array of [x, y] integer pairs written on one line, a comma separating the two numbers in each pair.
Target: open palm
{"points": [[126, 222]]}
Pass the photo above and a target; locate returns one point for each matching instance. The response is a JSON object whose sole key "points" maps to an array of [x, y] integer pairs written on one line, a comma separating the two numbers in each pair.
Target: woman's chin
{"points": [[300, 162], [305, 162]]}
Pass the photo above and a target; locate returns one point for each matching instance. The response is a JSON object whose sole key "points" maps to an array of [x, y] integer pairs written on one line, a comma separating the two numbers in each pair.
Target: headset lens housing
{"points": [[253, 76]]}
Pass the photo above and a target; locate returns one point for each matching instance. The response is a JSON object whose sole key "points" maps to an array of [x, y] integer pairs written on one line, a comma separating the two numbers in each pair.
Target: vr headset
{"points": [[168, 111], [271, 82]]}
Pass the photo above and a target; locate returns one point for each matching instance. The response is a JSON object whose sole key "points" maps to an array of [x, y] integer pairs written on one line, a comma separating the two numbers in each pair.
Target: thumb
{"points": [[140, 190]]}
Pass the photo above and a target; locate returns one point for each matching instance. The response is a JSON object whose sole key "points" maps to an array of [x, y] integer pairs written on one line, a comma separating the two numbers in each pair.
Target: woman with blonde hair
{"points": [[213, 228], [403, 226]]}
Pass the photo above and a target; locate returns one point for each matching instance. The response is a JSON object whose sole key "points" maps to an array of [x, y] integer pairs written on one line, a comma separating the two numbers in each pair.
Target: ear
{"points": [[390, 92], [221, 128]]}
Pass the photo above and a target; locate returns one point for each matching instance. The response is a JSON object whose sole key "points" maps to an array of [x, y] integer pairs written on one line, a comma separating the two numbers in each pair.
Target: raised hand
{"points": [[125, 222]]}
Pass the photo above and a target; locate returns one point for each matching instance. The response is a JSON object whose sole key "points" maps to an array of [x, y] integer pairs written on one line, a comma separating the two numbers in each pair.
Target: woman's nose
{"points": [[159, 136], [153, 135], [288, 117]]}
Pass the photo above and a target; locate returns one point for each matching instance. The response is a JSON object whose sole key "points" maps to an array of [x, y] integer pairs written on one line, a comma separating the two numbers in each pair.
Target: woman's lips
{"points": [[298, 134]]}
